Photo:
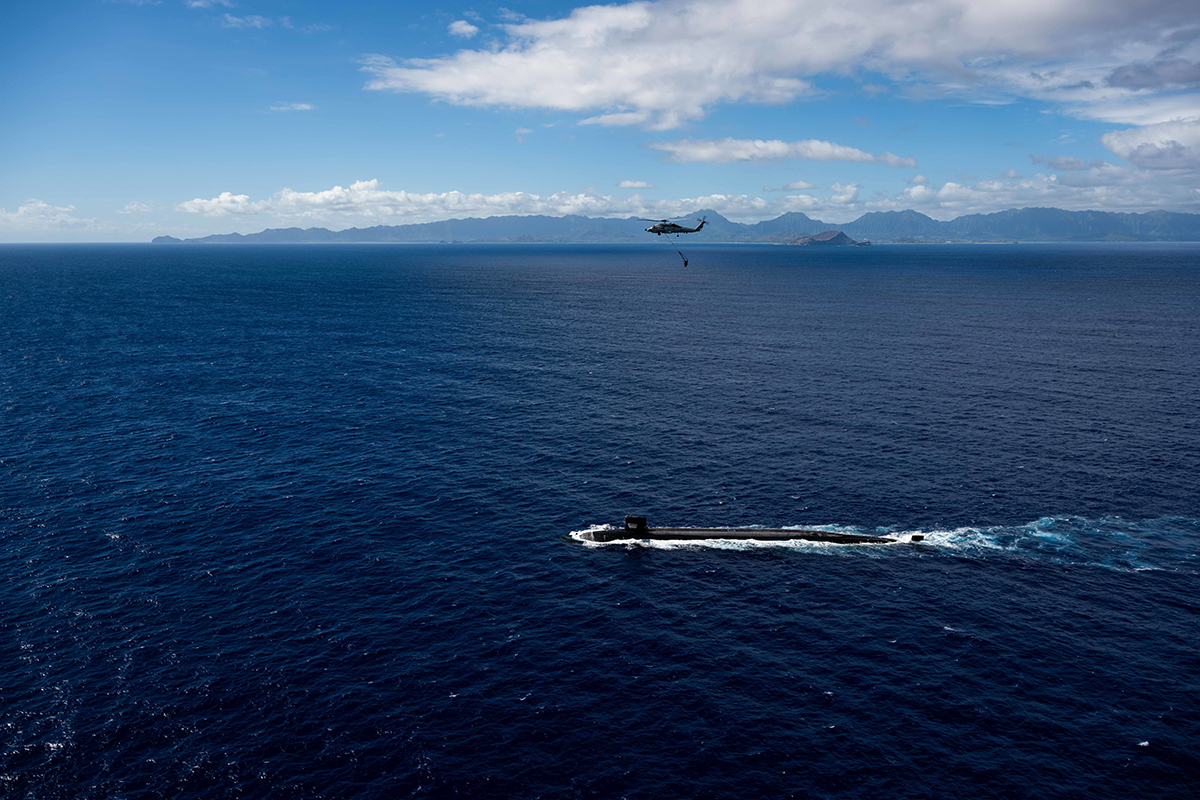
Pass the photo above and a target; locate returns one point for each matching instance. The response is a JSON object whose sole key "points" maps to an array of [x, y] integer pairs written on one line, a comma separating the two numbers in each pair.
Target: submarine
{"points": [[636, 528]]}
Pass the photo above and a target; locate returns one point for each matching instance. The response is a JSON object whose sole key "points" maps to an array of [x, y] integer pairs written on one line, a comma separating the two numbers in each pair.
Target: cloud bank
{"points": [[659, 64], [364, 203]]}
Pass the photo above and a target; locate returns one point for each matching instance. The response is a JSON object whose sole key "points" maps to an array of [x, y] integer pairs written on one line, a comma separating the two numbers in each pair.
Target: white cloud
{"points": [[293, 107], [223, 205], [135, 208], [661, 63], [843, 194], [36, 216], [919, 195], [756, 150], [209, 3], [462, 29], [635, 185], [918, 179], [251, 21], [799, 202], [1170, 145], [790, 187], [614, 120], [1142, 109]]}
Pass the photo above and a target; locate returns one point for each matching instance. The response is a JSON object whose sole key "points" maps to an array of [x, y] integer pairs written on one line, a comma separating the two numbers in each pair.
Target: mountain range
{"points": [[1024, 225]]}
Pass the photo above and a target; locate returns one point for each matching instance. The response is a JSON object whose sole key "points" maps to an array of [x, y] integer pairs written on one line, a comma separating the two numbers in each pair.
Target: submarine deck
{"points": [[635, 528]]}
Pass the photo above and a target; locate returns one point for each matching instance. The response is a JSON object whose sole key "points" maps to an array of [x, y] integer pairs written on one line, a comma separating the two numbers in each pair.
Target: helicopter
{"points": [[662, 226]]}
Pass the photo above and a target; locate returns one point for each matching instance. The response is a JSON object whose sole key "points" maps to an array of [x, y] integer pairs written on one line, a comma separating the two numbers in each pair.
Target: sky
{"points": [[121, 121]]}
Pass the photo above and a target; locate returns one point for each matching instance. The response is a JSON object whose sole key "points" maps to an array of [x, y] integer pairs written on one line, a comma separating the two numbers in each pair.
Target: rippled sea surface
{"points": [[310, 522]]}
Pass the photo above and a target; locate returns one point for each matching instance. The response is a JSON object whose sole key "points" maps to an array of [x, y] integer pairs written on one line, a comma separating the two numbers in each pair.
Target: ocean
{"points": [[312, 521]]}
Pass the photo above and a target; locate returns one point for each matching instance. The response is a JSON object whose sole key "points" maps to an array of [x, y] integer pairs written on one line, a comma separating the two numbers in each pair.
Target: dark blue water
{"points": [[304, 522]]}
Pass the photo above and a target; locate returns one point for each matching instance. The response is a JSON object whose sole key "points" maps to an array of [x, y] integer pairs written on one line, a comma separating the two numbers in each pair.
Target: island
{"points": [[827, 238]]}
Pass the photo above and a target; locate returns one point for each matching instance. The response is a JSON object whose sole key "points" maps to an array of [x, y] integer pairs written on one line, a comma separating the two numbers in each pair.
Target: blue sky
{"points": [[126, 120]]}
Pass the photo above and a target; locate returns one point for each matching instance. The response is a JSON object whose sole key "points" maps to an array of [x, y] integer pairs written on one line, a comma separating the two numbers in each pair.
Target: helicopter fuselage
{"points": [[659, 228]]}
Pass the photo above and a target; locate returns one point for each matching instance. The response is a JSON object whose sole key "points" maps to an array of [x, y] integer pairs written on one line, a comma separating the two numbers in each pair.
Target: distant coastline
{"points": [[908, 227]]}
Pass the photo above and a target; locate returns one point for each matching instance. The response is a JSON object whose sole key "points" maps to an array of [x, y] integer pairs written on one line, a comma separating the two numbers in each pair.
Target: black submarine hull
{"points": [[636, 528]]}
